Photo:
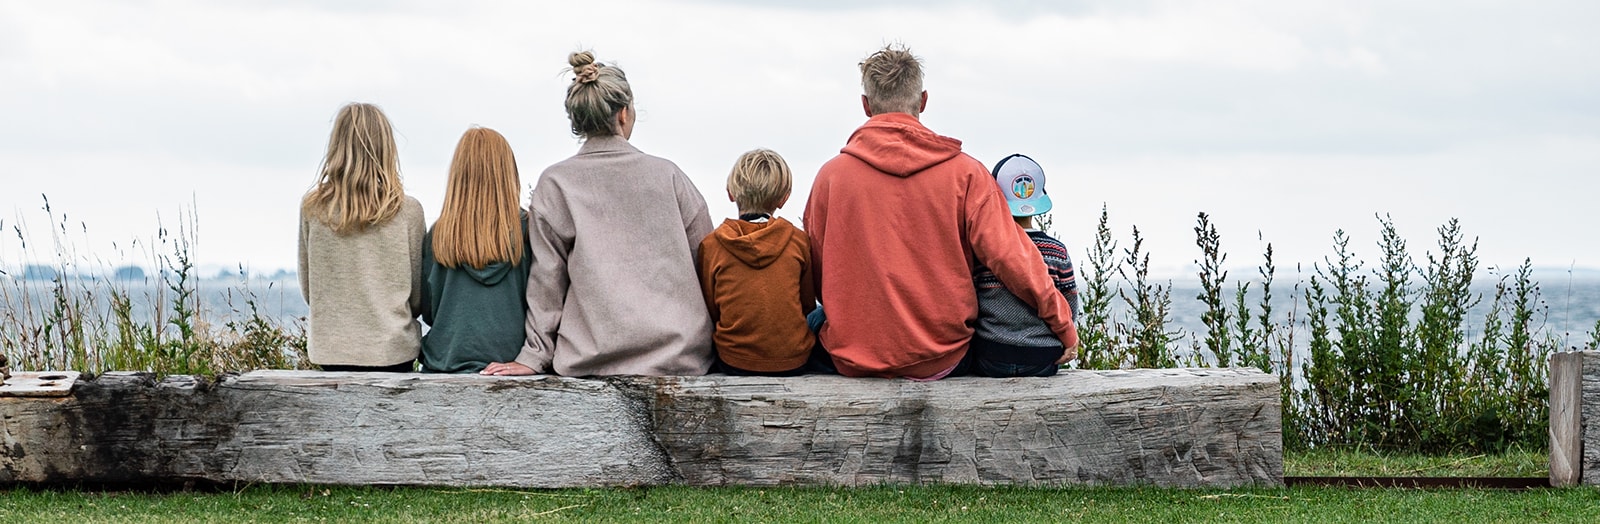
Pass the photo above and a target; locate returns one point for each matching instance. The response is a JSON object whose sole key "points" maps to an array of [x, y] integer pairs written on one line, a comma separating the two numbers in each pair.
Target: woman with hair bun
{"points": [[614, 232]]}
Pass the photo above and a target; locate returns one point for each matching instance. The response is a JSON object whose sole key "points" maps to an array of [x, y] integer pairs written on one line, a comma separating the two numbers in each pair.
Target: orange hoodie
{"points": [[758, 287], [898, 220]]}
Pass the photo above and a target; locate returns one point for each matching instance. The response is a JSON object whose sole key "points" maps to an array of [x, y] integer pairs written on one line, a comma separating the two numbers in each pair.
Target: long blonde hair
{"points": [[480, 223], [359, 185]]}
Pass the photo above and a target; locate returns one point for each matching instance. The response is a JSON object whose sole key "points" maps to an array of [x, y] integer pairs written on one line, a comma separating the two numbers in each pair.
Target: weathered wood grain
{"points": [[1575, 418], [1160, 427], [120, 427], [1591, 417], [1566, 419], [335, 428]]}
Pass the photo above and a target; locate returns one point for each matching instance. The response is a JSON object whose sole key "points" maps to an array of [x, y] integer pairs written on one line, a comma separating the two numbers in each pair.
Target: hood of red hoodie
{"points": [[898, 144], [756, 244]]}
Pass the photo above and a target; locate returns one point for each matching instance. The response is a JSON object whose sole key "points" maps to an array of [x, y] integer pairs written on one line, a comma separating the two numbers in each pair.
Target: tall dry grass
{"points": [[61, 309]]}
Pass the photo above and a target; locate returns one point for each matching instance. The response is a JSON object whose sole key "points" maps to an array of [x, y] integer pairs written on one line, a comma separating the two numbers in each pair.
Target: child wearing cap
{"points": [[755, 272], [1011, 340]]}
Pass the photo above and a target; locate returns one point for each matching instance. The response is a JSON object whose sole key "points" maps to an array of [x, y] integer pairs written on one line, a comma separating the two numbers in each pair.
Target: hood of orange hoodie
{"points": [[898, 144], [757, 244]]}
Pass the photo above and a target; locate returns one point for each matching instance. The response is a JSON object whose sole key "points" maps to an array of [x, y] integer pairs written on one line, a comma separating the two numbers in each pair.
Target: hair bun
{"points": [[584, 68]]}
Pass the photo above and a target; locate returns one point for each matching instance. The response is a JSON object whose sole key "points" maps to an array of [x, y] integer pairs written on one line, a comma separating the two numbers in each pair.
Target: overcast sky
{"points": [[1287, 119]]}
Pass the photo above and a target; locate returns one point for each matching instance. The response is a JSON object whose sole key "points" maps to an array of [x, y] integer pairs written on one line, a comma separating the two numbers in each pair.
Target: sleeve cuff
{"points": [[535, 360]]}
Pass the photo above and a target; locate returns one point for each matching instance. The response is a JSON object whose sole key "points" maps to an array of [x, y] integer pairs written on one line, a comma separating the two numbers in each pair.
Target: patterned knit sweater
{"points": [[1005, 319]]}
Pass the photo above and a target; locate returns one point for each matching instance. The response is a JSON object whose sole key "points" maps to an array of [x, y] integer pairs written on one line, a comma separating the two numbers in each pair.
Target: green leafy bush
{"points": [[1391, 359]]}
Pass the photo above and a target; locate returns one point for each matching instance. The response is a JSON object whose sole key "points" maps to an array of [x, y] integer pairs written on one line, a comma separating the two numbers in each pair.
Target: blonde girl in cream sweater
{"points": [[361, 251]]}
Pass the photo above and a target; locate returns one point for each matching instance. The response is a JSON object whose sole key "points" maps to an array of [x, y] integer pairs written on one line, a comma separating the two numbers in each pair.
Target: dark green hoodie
{"points": [[474, 316]]}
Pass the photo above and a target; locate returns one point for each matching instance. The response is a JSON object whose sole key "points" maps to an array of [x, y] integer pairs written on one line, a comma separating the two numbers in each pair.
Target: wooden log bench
{"points": [[1575, 418], [1174, 427]]}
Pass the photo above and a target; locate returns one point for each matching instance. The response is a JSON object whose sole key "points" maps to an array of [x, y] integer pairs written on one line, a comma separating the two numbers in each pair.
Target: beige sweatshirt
{"points": [[612, 287], [364, 290]]}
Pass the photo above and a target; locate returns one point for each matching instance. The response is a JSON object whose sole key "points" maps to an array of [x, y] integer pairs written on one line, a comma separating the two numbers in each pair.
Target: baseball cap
{"points": [[1022, 180]]}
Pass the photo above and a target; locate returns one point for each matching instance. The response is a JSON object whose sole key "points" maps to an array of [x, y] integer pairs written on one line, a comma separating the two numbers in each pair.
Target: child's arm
{"points": [[708, 279], [417, 228], [1060, 263]]}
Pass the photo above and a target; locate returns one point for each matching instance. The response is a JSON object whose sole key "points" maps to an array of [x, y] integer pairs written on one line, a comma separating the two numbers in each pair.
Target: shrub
{"points": [[1389, 363], [1099, 348]]}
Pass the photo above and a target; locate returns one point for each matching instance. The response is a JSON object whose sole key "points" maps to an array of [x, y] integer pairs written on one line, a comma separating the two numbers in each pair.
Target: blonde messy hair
{"points": [[480, 223], [760, 181], [359, 185], [892, 80]]}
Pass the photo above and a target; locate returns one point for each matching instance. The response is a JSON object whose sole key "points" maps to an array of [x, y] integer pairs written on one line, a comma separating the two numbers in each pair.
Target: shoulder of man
{"points": [[965, 165]]}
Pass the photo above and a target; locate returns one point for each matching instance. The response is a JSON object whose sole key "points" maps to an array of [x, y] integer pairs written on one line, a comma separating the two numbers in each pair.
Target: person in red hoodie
{"points": [[898, 221]]}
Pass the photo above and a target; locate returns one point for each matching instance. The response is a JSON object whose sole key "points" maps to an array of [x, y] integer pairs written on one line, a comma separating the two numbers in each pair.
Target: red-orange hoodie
{"points": [[897, 222]]}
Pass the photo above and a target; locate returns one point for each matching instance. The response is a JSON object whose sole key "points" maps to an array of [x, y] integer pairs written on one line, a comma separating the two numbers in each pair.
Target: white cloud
{"points": [[1293, 118]]}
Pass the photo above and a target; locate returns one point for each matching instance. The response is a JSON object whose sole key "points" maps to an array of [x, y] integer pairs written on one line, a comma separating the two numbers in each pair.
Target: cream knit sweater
{"points": [[364, 290]]}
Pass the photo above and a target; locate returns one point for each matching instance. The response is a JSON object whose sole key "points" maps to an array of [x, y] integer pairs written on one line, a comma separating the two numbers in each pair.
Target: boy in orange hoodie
{"points": [[755, 272]]}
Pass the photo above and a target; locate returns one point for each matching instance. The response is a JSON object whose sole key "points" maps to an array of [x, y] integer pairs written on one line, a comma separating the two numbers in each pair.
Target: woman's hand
{"points": [[506, 369]]}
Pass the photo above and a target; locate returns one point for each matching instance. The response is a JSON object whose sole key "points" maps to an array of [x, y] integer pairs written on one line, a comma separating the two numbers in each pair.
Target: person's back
{"points": [[755, 272], [625, 300], [475, 261], [612, 288], [361, 252], [898, 222], [1010, 340]]}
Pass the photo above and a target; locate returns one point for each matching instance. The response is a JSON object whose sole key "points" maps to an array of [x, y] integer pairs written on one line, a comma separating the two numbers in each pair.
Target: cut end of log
{"points": [[39, 384]]}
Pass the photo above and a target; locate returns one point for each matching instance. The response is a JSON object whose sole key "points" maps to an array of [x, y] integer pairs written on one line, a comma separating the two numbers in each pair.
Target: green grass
{"points": [[1342, 463], [874, 505]]}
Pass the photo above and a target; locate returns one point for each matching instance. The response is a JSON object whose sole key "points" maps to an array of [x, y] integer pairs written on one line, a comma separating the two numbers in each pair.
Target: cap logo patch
{"points": [[1022, 186]]}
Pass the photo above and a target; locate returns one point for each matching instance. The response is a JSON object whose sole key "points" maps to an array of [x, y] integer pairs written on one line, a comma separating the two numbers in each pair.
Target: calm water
{"points": [[1567, 310]]}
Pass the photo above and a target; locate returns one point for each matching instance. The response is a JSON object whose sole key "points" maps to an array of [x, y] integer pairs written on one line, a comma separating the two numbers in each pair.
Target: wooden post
{"points": [[1575, 418], [1566, 422]]}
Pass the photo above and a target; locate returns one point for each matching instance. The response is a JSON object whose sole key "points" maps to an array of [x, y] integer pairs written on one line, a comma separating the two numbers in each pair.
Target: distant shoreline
{"points": [[1548, 275]]}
